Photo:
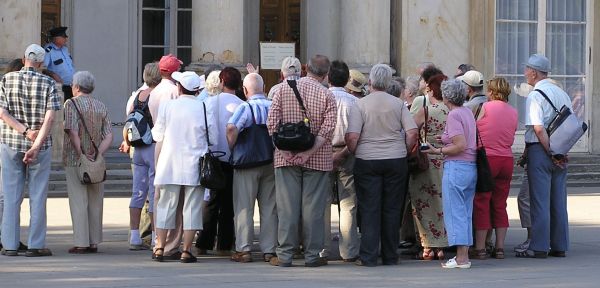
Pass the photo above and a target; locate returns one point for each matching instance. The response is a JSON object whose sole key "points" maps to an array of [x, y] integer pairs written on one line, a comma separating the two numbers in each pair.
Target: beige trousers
{"points": [[86, 203], [166, 209], [173, 235]]}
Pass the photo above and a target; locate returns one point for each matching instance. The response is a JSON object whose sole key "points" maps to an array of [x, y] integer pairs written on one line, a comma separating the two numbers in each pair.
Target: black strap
{"points": [[426, 110], [252, 113], [292, 84], [479, 141], [85, 127], [548, 99], [206, 125]]}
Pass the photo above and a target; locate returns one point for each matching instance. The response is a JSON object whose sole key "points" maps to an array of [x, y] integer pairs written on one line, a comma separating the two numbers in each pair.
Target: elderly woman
{"points": [[425, 187], [396, 87], [177, 164], [460, 172], [142, 160], [380, 131], [85, 201], [497, 124], [411, 89]]}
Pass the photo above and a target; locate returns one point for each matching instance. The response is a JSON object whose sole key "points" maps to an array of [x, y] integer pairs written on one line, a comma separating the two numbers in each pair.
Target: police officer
{"points": [[58, 59]]}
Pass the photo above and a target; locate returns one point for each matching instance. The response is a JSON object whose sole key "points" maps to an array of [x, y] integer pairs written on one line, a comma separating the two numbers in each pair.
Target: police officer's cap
{"points": [[58, 31]]}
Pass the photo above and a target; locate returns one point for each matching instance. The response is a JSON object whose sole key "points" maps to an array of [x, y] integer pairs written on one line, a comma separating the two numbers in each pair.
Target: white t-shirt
{"points": [[538, 111], [224, 105], [164, 91]]}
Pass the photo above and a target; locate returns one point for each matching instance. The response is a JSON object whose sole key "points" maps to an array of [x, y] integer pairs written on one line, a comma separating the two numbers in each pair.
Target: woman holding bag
{"points": [[88, 133]]}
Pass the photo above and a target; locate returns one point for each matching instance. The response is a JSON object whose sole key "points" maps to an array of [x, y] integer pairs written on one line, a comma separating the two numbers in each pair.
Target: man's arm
{"points": [[232, 134], [18, 126], [31, 154], [541, 134], [352, 141], [411, 138]]}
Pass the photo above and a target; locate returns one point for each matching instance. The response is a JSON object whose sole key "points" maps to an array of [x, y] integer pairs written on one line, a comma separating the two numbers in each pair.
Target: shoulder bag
{"points": [[417, 160], [294, 136], [90, 171], [485, 181], [211, 173], [564, 130], [253, 147]]}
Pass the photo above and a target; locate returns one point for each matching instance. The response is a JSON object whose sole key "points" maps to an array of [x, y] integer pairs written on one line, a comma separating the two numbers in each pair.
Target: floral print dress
{"points": [[425, 188]]}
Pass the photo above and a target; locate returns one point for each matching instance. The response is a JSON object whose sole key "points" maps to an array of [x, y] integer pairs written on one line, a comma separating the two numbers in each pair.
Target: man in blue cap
{"points": [[58, 59], [547, 173]]}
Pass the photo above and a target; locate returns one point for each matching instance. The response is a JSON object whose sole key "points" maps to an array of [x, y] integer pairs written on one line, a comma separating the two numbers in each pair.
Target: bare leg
{"points": [[134, 218], [500, 236], [462, 254], [480, 238], [188, 238]]}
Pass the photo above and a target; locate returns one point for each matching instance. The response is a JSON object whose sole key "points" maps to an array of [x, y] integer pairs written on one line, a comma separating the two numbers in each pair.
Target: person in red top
{"points": [[497, 125], [302, 179]]}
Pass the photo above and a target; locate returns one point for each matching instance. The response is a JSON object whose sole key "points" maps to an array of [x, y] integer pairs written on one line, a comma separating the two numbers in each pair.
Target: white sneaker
{"points": [[523, 246], [453, 264]]}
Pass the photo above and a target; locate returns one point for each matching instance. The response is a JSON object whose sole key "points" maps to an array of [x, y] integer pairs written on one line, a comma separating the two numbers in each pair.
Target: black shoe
{"points": [[190, 259], [38, 252], [174, 256], [555, 253], [320, 262], [22, 247]]}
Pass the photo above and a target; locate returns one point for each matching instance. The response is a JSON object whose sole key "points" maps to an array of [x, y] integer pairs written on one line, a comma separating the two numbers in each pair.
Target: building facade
{"points": [[114, 39]]}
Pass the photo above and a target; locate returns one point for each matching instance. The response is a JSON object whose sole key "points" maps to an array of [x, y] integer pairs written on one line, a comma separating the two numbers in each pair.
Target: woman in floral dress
{"points": [[425, 187]]}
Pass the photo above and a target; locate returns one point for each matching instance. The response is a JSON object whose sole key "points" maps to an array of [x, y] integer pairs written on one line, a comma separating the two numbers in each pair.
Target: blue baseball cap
{"points": [[538, 62]]}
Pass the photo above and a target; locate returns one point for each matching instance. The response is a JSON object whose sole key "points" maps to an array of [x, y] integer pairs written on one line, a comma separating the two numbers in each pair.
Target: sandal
{"points": [[79, 250], [480, 254], [428, 254], [190, 259], [439, 253], [498, 253], [159, 257]]}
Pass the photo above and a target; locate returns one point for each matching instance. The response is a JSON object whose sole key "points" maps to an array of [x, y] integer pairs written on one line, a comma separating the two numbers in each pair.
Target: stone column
{"points": [[365, 33], [217, 33], [320, 31], [20, 26]]}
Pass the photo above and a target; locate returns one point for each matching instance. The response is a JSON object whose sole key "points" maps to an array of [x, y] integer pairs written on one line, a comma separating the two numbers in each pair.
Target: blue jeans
{"points": [[548, 194], [14, 172], [458, 191]]}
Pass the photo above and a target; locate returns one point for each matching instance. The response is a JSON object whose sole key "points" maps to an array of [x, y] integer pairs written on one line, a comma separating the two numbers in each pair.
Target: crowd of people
{"points": [[366, 131]]}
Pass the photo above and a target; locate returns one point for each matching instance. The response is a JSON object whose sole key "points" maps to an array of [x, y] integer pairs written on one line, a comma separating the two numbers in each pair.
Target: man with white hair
{"points": [[547, 174], [25, 150], [254, 177], [291, 69]]}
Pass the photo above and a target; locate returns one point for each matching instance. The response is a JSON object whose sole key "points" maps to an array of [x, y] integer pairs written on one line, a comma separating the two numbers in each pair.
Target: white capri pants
{"points": [[166, 207]]}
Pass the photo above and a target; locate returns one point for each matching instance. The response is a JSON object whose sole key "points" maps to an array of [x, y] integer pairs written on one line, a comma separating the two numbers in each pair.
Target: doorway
{"points": [[50, 18], [279, 22]]}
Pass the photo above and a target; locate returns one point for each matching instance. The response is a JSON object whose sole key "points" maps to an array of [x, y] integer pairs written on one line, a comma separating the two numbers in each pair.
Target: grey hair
{"points": [[412, 85], [152, 74], [455, 91], [85, 81], [212, 83], [380, 76], [254, 83], [394, 89], [319, 65]]}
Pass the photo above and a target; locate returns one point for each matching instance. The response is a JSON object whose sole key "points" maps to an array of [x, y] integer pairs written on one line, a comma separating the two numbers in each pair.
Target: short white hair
{"points": [[380, 76], [455, 91], [254, 83], [85, 81], [212, 83]]}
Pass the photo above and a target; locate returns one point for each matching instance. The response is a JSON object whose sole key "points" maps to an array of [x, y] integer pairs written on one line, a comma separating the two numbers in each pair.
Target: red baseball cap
{"points": [[169, 63]]}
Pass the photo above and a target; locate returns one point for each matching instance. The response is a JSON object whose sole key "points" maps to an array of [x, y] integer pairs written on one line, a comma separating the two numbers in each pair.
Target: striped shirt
{"points": [[26, 95], [96, 118], [241, 118], [344, 102], [321, 110]]}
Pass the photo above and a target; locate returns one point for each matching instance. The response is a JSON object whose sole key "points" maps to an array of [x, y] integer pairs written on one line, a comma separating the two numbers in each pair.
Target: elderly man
{"points": [[58, 59], [380, 132], [25, 150], [356, 84], [547, 174], [474, 81], [302, 178], [290, 70], [254, 178]]}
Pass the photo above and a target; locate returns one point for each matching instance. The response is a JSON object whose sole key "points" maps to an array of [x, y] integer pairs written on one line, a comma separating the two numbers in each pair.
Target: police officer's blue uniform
{"points": [[59, 61]]}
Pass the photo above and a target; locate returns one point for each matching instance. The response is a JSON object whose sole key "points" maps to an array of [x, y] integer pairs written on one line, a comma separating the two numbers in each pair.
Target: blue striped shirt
{"points": [[241, 118]]}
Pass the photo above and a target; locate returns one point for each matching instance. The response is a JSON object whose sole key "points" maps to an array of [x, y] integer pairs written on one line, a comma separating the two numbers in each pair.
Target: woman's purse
{"points": [[90, 171], [294, 136], [211, 173], [485, 181], [417, 160]]}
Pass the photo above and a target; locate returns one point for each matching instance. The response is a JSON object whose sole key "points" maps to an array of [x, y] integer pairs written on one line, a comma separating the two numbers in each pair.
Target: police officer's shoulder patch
{"points": [[48, 49]]}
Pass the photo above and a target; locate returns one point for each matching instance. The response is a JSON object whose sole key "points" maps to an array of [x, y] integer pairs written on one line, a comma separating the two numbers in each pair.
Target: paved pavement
{"points": [[115, 266]]}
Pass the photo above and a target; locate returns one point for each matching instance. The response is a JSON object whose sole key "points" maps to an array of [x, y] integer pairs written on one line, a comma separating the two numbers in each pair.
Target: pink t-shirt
{"points": [[497, 128], [461, 122]]}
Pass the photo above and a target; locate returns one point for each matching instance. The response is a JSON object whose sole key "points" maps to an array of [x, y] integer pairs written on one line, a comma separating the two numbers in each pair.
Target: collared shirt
{"points": [[473, 104], [59, 61], [382, 121], [242, 117], [181, 129], [278, 86], [96, 119], [344, 102], [26, 95], [224, 105], [165, 90], [538, 111], [321, 110]]}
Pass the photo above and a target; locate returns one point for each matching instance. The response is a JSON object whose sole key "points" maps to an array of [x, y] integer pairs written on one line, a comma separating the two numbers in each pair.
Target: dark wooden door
{"points": [[50, 17], [279, 22]]}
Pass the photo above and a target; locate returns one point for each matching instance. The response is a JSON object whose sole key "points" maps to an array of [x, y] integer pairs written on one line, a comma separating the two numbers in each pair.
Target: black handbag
{"points": [[211, 173], [253, 147], [485, 181], [294, 136]]}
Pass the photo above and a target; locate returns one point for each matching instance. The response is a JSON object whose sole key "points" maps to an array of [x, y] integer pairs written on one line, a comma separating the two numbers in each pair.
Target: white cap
{"points": [[188, 79], [291, 66], [35, 53], [472, 78]]}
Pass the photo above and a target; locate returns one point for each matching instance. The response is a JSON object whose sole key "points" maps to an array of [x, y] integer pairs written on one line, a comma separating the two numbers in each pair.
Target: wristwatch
{"points": [[25, 132]]}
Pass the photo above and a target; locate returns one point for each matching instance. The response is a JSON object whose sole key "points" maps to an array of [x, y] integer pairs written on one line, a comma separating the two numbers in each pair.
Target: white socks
{"points": [[134, 238]]}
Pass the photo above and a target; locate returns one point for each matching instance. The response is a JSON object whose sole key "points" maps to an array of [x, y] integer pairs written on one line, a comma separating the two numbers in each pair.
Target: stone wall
{"points": [[19, 26]]}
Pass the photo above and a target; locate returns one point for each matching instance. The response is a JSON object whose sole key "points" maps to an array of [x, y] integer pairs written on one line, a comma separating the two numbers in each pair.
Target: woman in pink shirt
{"points": [[497, 123]]}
